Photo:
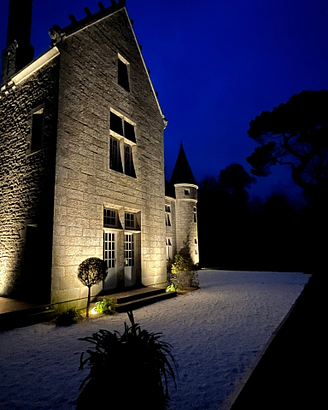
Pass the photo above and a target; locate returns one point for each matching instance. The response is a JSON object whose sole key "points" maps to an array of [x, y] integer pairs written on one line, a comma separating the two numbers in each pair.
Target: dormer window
{"points": [[123, 73]]}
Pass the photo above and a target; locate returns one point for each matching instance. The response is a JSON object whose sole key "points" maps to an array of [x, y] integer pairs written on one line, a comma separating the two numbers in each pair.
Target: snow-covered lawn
{"points": [[216, 334]]}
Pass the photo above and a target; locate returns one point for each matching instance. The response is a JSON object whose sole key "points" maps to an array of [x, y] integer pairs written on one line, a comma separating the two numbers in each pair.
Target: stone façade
{"points": [[53, 198]]}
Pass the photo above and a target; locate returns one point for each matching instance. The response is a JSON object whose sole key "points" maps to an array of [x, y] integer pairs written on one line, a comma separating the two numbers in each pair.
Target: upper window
{"points": [[122, 127], [110, 217], [187, 191], [123, 73], [195, 214], [129, 220], [36, 130]]}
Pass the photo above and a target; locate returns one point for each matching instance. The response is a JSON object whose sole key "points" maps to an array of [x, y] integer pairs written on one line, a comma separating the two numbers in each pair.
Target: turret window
{"points": [[167, 215], [169, 253], [195, 214], [187, 192]]}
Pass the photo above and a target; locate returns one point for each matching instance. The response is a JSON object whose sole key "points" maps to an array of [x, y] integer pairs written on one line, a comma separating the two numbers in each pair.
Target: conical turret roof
{"points": [[182, 173]]}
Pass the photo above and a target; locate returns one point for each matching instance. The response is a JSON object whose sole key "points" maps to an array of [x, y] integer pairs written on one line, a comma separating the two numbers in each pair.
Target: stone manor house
{"points": [[82, 162]]}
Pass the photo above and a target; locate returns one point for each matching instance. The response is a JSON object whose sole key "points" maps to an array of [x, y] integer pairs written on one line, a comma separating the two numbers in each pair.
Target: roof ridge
{"points": [[57, 33]]}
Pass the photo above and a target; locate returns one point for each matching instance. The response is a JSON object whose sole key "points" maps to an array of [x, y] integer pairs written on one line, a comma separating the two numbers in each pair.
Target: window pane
{"points": [[116, 123], [129, 131], [128, 162], [114, 155]]}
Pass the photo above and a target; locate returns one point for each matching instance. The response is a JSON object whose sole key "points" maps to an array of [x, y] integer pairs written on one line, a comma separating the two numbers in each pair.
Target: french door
{"points": [[129, 265], [110, 254]]}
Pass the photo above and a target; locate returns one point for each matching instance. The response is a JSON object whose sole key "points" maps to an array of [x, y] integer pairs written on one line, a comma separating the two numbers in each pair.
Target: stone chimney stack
{"points": [[19, 52]]}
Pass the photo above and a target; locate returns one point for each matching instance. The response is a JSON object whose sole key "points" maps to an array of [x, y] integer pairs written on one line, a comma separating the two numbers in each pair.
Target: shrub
{"points": [[126, 371], [90, 272], [184, 274], [69, 317], [106, 306]]}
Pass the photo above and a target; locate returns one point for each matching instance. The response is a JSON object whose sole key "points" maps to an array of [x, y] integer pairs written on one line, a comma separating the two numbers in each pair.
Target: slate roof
{"points": [[182, 173]]}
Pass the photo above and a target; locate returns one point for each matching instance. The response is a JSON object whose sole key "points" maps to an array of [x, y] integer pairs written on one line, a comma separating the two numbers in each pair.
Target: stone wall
{"points": [[27, 186], [84, 182]]}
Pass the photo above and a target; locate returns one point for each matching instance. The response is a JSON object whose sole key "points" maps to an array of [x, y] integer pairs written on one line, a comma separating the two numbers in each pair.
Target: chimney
{"points": [[19, 51]]}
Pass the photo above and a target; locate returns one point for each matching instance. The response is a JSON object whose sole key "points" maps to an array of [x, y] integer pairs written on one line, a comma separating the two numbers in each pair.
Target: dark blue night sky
{"points": [[216, 64]]}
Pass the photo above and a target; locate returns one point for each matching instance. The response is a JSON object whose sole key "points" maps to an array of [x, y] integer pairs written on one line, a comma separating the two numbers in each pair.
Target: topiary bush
{"points": [[106, 306], [69, 317], [126, 371], [183, 272], [91, 271]]}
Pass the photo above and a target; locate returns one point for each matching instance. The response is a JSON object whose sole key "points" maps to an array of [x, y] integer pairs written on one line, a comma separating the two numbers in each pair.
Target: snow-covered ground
{"points": [[216, 334]]}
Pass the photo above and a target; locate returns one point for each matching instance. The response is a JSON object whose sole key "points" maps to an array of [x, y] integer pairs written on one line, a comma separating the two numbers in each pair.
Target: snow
{"points": [[216, 333]]}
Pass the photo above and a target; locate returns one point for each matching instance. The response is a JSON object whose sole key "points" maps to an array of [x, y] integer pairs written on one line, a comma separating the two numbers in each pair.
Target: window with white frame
{"points": [[169, 253], [167, 215], [129, 249], [109, 249]]}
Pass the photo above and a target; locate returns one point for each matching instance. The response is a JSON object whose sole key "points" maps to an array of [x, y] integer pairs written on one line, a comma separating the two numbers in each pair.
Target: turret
{"points": [[19, 52], [186, 206]]}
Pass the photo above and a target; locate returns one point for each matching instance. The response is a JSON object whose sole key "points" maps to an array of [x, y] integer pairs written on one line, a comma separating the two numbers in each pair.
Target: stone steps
{"points": [[137, 298]]}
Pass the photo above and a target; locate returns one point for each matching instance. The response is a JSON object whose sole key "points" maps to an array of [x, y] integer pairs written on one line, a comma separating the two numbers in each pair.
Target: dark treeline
{"points": [[236, 233]]}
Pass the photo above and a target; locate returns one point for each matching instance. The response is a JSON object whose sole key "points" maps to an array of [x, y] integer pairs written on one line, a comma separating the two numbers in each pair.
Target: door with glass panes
{"points": [[129, 261], [110, 255]]}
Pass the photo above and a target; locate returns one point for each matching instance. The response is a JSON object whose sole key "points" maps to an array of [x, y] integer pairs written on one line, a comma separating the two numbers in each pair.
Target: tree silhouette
{"points": [[91, 271], [295, 134], [222, 230]]}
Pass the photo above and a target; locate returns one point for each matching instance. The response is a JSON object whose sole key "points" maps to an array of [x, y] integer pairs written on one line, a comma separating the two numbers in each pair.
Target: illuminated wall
{"points": [[26, 185], [85, 184]]}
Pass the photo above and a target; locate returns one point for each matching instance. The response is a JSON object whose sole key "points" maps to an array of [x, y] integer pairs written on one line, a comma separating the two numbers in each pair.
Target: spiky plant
{"points": [[128, 371]]}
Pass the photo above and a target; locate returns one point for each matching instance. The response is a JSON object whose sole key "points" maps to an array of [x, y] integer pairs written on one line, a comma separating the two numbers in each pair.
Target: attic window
{"points": [[123, 73]]}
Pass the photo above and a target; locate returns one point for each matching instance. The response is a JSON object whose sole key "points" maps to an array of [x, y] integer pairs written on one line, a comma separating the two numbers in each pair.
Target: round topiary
{"points": [[91, 271]]}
